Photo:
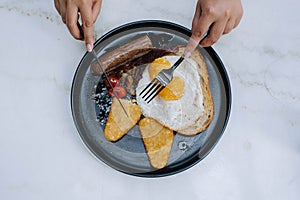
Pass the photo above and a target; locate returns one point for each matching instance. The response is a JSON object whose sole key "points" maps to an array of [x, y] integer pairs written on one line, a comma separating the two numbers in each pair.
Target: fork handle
{"points": [[177, 63]]}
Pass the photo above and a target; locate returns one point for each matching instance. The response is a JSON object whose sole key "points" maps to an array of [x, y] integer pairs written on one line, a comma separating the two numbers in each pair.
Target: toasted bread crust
{"points": [[205, 119]]}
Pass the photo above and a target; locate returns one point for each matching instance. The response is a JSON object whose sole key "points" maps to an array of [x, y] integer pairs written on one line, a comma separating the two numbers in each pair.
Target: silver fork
{"points": [[162, 79], [165, 76]]}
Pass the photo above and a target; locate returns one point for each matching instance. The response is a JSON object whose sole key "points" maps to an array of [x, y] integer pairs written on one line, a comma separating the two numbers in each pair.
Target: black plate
{"points": [[128, 154]]}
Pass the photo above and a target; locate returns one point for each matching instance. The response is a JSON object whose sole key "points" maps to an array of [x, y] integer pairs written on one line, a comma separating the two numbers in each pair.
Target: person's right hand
{"points": [[214, 18], [217, 17], [89, 11]]}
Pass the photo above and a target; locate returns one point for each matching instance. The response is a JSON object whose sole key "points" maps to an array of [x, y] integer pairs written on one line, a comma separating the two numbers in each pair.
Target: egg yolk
{"points": [[175, 89]]}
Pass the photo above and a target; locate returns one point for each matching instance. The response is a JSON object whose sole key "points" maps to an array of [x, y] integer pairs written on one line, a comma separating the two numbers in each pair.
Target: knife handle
{"points": [[80, 30]]}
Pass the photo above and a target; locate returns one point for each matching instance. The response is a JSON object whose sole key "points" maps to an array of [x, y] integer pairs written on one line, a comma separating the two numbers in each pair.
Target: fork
{"points": [[165, 76]]}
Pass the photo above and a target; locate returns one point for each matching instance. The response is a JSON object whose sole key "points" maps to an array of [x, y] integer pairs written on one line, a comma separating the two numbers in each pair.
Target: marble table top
{"points": [[42, 156]]}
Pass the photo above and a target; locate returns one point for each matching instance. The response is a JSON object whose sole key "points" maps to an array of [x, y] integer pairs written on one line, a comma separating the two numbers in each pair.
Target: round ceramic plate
{"points": [[128, 155]]}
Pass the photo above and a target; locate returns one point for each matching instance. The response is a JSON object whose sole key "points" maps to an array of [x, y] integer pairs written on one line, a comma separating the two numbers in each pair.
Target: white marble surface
{"points": [[42, 157]]}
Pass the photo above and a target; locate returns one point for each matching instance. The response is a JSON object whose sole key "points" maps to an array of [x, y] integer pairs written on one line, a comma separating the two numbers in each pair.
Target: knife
{"points": [[106, 77], [102, 69]]}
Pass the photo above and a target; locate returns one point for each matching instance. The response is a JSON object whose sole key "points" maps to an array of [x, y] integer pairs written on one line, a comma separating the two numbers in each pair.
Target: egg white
{"points": [[175, 114]]}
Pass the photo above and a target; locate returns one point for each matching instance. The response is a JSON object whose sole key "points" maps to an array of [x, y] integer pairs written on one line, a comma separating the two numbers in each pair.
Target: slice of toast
{"points": [[205, 119], [157, 140], [118, 124]]}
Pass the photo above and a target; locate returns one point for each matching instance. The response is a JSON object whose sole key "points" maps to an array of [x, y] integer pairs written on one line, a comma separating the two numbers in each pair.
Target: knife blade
{"points": [[101, 67], [106, 77]]}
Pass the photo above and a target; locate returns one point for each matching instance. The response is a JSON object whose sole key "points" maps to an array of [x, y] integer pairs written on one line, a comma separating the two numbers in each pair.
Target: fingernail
{"points": [[89, 47], [187, 55]]}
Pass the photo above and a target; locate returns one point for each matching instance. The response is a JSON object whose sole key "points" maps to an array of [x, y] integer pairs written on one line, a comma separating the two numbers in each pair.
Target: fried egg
{"points": [[175, 89], [180, 104]]}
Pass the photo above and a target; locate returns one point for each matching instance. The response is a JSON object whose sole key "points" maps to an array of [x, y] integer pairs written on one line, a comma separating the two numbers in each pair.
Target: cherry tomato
{"points": [[119, 90], [110, 92], [113, 80]]}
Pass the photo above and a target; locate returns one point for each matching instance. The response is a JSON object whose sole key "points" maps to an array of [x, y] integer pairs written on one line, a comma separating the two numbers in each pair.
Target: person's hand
{"points": [[89, 11], [217, 16]]}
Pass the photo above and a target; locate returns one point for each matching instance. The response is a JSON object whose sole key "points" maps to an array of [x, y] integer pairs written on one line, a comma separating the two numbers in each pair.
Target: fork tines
{"points": [[152, 90], [162, 79]]}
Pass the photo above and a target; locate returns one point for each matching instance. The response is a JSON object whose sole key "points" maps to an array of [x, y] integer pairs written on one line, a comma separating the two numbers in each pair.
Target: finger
{"points": [[63, 11], [237, 21], [71, 20], [238, 16], [215, 33], [196, 16], [201, 23], [229, 26], [56, 4], [87, 24], [96, 10]]}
